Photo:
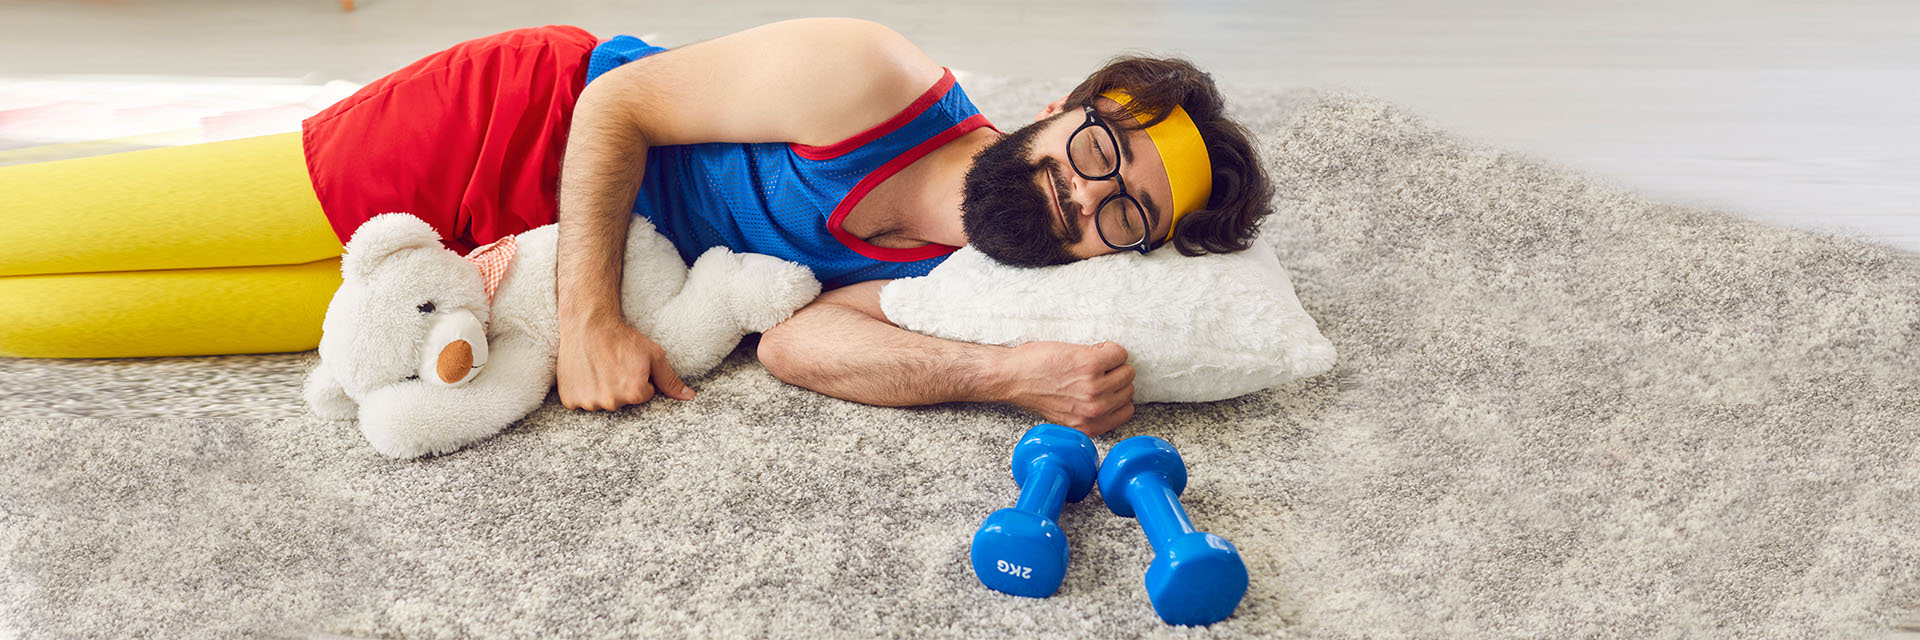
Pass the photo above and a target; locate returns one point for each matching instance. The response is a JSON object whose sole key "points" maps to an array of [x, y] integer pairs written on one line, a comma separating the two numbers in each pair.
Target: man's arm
{"points": [[602, 362], [842, 345], [811, 80]]}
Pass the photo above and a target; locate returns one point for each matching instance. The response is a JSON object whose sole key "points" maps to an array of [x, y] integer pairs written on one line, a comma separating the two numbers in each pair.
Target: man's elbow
{"points": [[808, 349]]}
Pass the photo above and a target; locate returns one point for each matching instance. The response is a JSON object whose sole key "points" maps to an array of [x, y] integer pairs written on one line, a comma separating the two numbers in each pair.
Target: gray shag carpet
{"points": [[1560, 410]]}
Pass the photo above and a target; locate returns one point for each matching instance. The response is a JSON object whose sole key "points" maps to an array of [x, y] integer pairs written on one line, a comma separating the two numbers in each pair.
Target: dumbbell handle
{"points": [[1158, 509], [1046, 489]]}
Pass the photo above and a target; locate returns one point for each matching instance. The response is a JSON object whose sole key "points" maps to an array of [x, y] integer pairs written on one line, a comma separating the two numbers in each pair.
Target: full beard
{"points": [[1004, 215]]}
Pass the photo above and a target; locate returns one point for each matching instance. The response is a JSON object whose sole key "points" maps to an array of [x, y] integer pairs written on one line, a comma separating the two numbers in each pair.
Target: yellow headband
{"points": [[1189, 169]]}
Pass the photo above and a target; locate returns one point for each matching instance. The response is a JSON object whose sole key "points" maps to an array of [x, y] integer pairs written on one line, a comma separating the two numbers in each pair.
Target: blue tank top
{"points": [[788, 200]]}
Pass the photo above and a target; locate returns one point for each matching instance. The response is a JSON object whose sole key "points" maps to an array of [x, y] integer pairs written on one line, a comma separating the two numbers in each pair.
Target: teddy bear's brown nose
{"points": [[455, 349], [456, 359]]}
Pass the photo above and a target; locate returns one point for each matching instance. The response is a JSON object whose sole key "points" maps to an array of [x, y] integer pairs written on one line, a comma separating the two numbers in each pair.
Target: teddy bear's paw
{"points": [[767, 290], [414, 435], [325, 396]]}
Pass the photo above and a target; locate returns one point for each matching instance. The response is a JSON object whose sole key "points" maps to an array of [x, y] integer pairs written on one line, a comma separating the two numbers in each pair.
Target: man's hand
{"points": [[605, 363], [1089, 388], [844, 346]]}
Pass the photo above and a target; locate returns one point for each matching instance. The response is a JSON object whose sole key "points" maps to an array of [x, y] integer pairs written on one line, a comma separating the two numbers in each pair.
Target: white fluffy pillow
{"points": [[1196, 329]]}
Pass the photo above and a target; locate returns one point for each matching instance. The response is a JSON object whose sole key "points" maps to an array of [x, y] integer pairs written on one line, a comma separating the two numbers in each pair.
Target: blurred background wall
{"points": [[1798, 113]]}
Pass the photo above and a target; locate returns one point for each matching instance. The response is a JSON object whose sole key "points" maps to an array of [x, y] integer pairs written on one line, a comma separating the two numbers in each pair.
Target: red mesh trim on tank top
{"points": [[880, 175]]}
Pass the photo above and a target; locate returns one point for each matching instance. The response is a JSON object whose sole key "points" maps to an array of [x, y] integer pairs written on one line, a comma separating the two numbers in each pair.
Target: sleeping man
{"points": [[833, 143], [880, 168]]}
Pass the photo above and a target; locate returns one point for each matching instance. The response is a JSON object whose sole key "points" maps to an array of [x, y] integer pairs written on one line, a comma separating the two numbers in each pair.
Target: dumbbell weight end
{"points": [[1020, 553], [1197, 580]]}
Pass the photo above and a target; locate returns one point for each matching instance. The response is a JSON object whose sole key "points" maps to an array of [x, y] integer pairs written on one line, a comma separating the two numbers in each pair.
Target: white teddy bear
{"points": [[413, 347]]}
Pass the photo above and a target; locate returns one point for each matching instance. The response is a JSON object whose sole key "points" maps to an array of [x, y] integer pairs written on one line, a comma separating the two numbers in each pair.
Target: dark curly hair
{"points": [[1241, 195]]}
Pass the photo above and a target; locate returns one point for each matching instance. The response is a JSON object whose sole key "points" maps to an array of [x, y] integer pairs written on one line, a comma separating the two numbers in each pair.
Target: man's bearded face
{"points": [[1004, 212]]}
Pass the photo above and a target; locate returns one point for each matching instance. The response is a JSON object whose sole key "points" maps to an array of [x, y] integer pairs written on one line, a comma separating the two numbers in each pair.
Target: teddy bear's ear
{"points": [[382, 236]]}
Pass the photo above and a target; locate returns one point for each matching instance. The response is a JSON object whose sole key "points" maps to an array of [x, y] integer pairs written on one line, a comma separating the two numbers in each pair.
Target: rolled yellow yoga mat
{"points": [[202, 249]]}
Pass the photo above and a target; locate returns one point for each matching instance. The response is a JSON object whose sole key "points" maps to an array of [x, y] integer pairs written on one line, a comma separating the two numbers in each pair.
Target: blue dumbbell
{"points": [[1022, 550], [1196, 578]]}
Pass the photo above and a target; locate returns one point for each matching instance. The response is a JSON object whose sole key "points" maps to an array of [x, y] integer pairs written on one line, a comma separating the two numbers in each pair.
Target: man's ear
{"points": [[1051, 109]]}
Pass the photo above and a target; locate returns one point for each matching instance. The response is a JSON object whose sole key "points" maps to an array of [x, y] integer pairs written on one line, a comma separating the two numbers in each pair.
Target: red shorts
{"points": [[469, 139]]}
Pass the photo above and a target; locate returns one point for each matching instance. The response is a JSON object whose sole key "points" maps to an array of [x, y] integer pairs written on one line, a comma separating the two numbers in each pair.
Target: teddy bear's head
{"points": [[409, 311], [404, 341]]}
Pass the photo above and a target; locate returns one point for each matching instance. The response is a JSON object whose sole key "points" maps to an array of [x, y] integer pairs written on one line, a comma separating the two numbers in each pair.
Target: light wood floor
{"points": [[1799, 113]]}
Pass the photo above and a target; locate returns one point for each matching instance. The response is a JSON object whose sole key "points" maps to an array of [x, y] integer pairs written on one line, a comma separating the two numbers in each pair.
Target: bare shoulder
{"points": [[899, 71], [886, 50], [813, 81]]}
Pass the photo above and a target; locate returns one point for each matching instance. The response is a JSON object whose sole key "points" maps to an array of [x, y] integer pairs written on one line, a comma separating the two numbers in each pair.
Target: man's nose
{"points": [[1089, 192]]}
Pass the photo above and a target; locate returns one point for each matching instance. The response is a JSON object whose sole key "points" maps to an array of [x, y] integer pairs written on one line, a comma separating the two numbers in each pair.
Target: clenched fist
{"points": [[605, 363], [1087, 387]]}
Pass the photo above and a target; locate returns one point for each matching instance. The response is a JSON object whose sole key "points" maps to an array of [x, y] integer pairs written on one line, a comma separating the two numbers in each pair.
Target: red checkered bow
{"points": [[492, 260]]}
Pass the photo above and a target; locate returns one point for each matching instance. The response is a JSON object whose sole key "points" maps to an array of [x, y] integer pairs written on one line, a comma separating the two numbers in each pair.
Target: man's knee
{"points": [[774, 351]]}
